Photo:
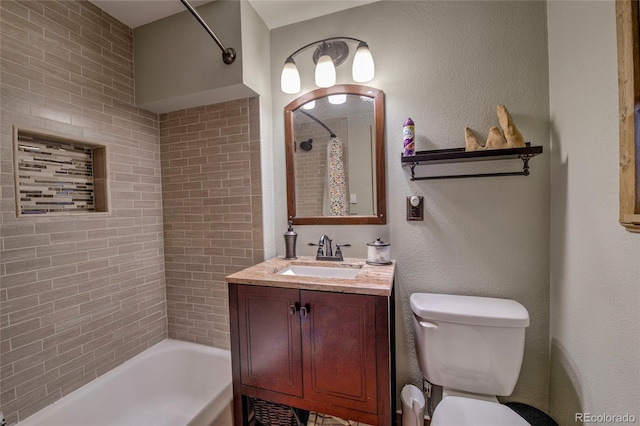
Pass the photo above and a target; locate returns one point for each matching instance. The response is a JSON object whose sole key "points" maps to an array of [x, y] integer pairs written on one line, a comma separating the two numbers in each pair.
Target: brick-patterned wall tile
{"points": [[213, 227], [78, 295]]}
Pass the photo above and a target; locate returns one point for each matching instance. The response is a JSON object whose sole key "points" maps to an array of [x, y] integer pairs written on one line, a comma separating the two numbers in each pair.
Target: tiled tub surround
{"points": [[81, 295], [172, 383], [212, 212], [78, 295]]}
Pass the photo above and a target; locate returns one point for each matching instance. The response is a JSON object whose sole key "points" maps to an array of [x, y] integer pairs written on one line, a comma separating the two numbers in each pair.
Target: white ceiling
{"points": [[278, 13], [134, 13], [274, 13]]}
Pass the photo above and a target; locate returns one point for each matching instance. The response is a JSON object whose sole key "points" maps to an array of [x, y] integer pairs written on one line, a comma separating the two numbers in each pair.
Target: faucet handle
{"points": [[338, 251], [320, 251]]}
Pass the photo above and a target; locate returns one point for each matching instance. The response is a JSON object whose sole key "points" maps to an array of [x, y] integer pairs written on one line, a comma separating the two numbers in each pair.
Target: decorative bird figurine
{"points": [[509, 137]]}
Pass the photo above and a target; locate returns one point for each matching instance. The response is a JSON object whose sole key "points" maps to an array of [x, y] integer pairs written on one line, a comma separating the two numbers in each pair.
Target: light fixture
{"points": [[338, 99], [290, 78], [309, 105], [329, 54], [325, 71], [363, 67]]}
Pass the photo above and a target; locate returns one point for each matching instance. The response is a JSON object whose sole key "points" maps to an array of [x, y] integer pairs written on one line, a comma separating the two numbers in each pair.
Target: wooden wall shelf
{"points": [[459, 155]]}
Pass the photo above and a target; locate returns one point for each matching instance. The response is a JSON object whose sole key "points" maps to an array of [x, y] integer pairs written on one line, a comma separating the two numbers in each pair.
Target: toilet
{"points": [[473, 348]]}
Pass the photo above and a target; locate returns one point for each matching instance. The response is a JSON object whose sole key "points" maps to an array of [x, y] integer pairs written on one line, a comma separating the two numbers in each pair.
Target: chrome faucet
{"points": [[325, 242], [325, 251]]}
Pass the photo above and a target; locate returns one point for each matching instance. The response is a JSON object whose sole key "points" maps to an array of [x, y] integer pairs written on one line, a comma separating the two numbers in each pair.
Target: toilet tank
{"points": [[472, 344]]}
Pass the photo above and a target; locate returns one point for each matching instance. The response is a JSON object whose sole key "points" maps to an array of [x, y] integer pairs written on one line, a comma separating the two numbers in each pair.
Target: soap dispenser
{"points": [[290, 242]]}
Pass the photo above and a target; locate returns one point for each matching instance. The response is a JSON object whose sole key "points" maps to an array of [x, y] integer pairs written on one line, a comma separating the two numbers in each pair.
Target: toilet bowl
{"points": [[458, 411], [473, 347]]}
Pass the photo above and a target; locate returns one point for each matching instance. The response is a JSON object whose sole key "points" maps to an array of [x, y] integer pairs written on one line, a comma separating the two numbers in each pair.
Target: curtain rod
{"points": [[228, 54], [333, 135]]}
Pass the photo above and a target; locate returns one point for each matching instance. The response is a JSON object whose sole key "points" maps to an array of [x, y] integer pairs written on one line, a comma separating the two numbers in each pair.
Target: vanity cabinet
{"points": [[315, 350]]}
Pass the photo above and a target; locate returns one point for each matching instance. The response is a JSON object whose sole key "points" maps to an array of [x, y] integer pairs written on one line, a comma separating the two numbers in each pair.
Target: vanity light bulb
{"points": [[309, 105], [325, 72], [363, 68], [290, 78], [338, 99]]}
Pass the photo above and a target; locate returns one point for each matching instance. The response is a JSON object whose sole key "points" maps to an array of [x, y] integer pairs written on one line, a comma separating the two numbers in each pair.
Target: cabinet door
{"points": [[269, 331], [339, 349]]}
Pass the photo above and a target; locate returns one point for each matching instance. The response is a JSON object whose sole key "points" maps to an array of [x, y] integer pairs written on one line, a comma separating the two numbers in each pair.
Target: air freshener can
{"points": [[409, 135]]}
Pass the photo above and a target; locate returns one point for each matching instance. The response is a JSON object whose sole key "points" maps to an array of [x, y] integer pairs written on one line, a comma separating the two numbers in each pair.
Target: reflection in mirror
{"points": [[335, 156]]}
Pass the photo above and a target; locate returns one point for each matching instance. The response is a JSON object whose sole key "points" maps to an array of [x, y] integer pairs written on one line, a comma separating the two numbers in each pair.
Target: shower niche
{"points": [[55, 175], [335, 161]]}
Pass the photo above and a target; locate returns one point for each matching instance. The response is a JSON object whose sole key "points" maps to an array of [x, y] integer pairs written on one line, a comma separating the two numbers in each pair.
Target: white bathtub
{"points": [[172, 383]]}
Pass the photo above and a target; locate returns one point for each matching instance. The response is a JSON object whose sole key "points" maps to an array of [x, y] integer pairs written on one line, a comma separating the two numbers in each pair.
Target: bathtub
{"points": [[172, 383]]}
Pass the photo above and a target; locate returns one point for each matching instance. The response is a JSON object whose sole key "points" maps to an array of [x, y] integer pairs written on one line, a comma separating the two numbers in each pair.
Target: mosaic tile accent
{"points": [[53, 176]]}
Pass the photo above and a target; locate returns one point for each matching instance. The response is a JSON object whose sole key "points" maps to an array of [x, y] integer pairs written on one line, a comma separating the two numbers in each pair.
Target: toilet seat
{"points": [[458, 411]]}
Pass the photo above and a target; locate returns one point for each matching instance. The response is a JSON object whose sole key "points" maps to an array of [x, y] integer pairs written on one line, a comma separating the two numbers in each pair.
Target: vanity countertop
{"points": [[376, 280]]}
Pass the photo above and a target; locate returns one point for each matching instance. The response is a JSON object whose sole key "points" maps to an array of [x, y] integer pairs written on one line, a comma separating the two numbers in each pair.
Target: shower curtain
{"points": [[336, 202]]}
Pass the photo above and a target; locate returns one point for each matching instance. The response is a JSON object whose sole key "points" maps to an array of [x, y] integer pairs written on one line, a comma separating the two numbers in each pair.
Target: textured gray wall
{"points": [[447, 65], [178, 65], [595, 273]]}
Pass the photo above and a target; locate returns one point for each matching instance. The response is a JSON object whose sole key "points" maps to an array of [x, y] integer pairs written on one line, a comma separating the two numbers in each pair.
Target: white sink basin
{"points": [[320, 271]]}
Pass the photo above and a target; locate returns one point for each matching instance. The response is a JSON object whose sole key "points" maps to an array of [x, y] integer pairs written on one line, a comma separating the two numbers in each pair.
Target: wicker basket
{"points": [[272, 414]]}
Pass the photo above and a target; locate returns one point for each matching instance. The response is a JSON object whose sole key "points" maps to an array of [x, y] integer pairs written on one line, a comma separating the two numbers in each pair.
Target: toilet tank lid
{"points": [[472, 310]]}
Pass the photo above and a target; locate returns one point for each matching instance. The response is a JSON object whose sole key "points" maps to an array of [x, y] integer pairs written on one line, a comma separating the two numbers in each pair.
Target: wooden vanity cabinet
{"points": [[315, 350], [269, 338]]}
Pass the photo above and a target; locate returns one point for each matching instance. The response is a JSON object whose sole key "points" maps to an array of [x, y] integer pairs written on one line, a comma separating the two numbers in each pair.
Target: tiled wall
{"points": [[212, 212], [57, 175], [78, 294]]}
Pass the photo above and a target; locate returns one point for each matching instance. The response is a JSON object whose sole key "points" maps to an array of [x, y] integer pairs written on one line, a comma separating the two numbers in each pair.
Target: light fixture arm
{"points": [[228, 54], [315, 43]]}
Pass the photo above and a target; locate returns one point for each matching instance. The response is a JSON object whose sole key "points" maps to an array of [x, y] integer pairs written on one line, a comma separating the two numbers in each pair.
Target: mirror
{"points": [[335, 156]]}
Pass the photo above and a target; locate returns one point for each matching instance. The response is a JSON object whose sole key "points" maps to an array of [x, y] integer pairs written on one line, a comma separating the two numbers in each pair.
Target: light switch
{"points": [[354, 199], [415, 207]]}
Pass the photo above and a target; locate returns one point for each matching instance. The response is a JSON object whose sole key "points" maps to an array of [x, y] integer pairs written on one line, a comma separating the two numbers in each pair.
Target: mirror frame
{"points": [[378, 115], [628, 39]]}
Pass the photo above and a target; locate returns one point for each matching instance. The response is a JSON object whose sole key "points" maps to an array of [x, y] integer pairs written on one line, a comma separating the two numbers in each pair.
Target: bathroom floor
{"points": [[318, 419]]}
